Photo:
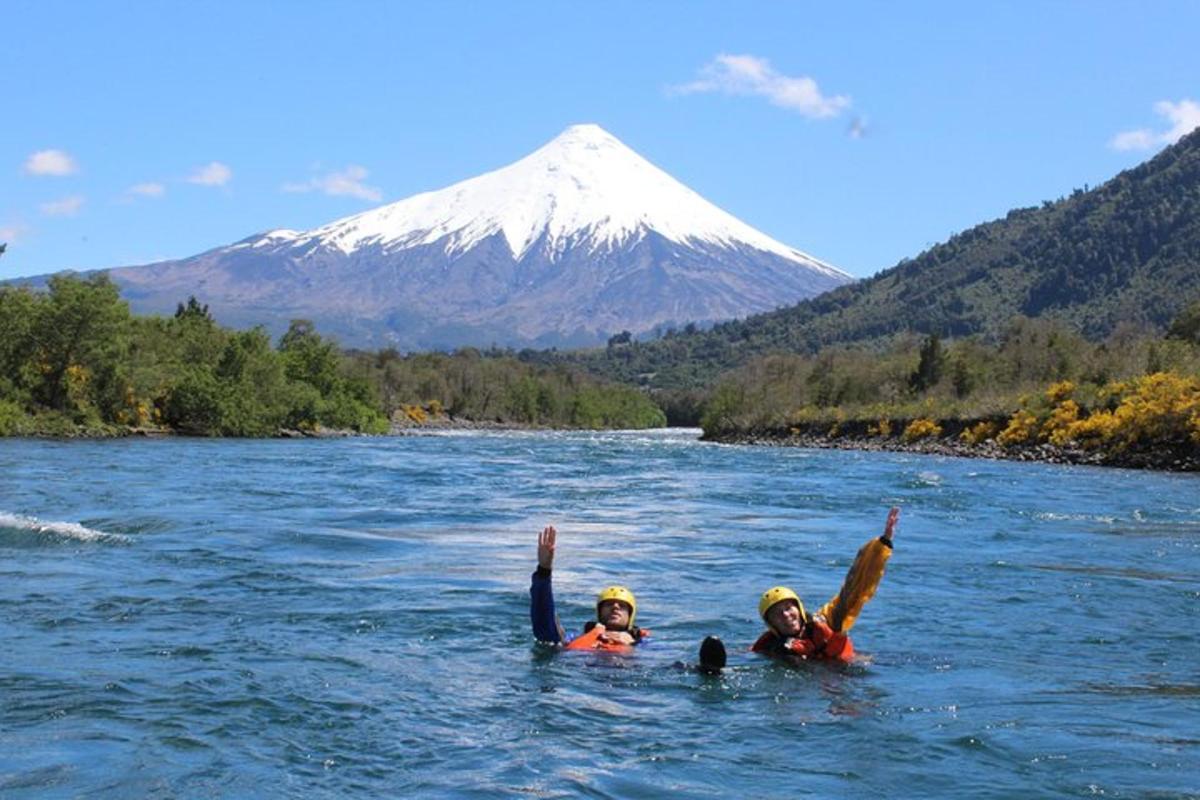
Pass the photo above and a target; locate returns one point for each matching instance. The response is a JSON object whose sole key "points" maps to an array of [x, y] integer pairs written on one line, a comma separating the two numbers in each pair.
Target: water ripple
{"points": [[349, 618]]}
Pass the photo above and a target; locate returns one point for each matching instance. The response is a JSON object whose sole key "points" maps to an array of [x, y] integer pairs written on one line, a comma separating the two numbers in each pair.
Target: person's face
{"points": [[614, 615], [785, 619]]}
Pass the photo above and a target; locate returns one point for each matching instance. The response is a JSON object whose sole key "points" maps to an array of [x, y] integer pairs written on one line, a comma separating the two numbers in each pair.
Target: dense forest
{"points": [[495, 387], [74, 360], [1124, 254]]}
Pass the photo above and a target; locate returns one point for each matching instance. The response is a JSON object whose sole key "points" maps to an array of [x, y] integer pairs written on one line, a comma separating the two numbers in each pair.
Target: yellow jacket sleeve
{"points": [[861, 582]]}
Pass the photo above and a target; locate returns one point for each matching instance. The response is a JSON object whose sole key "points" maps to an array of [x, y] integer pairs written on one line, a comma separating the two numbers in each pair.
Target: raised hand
{"points": [[889, 527], [546, 547]]}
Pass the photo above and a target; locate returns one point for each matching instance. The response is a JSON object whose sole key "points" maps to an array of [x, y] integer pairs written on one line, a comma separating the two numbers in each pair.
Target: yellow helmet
{"points": [[622, 594], [778, 594]]}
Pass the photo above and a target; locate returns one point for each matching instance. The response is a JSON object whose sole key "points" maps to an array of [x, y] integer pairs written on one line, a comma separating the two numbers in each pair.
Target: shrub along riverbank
{"points": [[1152, 422], [75, 362], [1042, 394]]}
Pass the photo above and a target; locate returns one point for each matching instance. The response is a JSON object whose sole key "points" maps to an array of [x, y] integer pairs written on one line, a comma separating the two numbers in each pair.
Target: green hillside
{"points": [[1124, 253]]}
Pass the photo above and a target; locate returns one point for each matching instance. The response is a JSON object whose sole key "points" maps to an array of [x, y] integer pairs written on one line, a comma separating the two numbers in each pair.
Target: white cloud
{"points": [[347, 183], [66, 207], [50, 162], [750, 75], [149, 189], [1184, 117], [13, 232], [214, 174]]}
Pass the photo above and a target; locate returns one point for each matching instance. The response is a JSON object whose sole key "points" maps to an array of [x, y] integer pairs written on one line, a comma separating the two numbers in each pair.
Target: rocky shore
{"points": [[404, 426], [146, 432], [400, 426], [1183, 459]]}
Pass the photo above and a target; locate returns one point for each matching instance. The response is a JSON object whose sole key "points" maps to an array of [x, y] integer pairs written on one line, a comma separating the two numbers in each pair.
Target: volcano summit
{"points": [[578, 240]]}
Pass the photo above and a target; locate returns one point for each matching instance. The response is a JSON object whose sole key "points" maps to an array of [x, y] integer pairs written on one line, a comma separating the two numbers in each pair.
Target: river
{"points": [[349, 618]]}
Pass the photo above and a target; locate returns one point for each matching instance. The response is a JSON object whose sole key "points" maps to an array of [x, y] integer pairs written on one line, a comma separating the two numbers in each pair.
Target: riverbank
{"points": [[1182, 459], [405, 425], [100, 432], [400, 425]]}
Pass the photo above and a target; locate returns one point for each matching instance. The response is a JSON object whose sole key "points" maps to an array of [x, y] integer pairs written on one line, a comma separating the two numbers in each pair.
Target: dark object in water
{"points": [[712, 655]]}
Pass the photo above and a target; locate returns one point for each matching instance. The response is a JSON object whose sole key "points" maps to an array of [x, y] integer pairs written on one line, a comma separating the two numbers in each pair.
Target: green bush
{"points": [[11, 417]]}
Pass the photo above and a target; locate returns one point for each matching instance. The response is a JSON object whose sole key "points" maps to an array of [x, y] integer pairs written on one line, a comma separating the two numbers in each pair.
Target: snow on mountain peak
{"points": [[583, 188]]}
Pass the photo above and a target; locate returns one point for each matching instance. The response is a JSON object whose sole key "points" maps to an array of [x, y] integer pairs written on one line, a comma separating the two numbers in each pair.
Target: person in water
{"points": [[794, 634], [616, 609]]}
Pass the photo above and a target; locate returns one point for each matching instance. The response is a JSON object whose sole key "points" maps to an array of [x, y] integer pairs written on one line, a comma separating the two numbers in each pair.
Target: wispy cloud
{"points": [[50, 162], [149, 189], [66, 207], [1184, 117], [212, 174], [347, 183], [754, 76], [11, 232]]}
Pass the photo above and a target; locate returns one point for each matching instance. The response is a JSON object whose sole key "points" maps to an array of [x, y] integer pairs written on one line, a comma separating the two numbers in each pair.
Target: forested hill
{"points": [[1125, 252]]}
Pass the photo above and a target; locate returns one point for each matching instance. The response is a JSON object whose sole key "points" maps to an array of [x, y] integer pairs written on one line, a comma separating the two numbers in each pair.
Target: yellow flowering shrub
{"points": [[137, 413], [415, 413], [1057, 428], [1021, 428], [921, 428], [1161, 408], [1158, 407], [979, 432], [1093, 431], [1111, 393], [881, 428], [1058, 392]]}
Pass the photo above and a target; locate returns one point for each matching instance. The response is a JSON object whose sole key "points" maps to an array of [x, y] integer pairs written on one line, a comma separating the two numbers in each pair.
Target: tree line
{"points": [[74, 359]]}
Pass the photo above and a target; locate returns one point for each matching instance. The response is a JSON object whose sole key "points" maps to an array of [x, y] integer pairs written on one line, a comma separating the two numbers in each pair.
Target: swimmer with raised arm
{"points": [[794, 634], [616, 610]]}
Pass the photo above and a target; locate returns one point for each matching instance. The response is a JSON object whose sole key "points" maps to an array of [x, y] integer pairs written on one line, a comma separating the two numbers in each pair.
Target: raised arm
{"points": [[862, 580], [546, 627], [546, 541]]}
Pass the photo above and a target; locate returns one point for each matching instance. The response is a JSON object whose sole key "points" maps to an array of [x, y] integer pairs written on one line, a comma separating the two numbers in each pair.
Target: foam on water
{"points": [[65, 530]]}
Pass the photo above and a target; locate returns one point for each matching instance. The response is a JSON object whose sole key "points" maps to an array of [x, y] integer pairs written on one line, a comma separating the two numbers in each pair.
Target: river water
{"points": [[349, 618]]}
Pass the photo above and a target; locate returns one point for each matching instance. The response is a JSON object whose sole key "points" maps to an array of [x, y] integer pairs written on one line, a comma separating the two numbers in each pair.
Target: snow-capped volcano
{"points": [[578, 240], [584, 188]]}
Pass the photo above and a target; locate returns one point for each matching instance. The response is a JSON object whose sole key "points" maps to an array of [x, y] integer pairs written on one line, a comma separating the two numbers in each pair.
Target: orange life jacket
{"points": [[818, 642], [590, 640]]}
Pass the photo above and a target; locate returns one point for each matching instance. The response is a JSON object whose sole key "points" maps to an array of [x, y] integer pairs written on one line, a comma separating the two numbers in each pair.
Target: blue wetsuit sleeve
{"points": [[541, 608]]}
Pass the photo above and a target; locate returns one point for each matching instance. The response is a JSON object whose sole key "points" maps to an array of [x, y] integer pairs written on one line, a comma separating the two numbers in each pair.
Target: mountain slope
{"points": [[580, 239], [1126, 252]]}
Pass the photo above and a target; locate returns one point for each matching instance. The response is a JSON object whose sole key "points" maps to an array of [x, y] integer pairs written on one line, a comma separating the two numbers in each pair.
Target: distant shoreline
{"points": [[1178, 460], [1166, 461]]}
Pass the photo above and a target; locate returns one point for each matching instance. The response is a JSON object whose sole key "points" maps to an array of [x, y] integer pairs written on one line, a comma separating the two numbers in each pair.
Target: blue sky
{"points": [[133, 132]]}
